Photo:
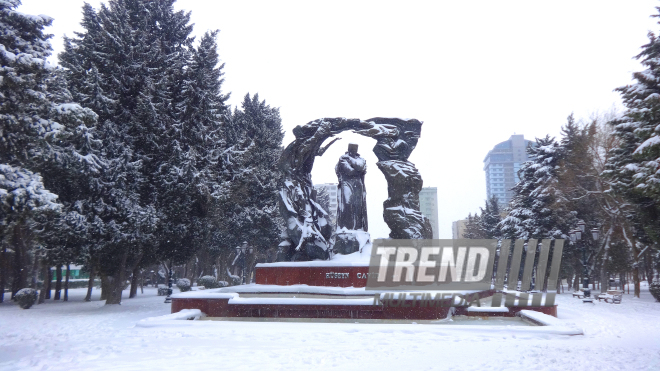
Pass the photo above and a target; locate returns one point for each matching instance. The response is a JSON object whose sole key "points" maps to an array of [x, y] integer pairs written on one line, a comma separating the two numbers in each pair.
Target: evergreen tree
{"points": [[536, 210], [128, 64], [473, 227], [634, 166], [40, 130], [484, 225], [255, 132], [196, 184], [490, 218], [323, 199]]}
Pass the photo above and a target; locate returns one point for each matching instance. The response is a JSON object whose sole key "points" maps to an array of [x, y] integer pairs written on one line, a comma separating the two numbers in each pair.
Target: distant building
{"points": [[75, 272], [458, 228], [501, 166], [428, 204], [331, 188]]}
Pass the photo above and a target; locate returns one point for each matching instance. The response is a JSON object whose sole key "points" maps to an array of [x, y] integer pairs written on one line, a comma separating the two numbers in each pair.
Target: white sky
{"points": [[475, 72]]}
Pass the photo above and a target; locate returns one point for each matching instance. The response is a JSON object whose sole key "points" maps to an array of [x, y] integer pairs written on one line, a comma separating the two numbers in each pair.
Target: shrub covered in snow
{"points": [[183, 284], [208, 282], [26, 297], [235, 280], [654, 288]]}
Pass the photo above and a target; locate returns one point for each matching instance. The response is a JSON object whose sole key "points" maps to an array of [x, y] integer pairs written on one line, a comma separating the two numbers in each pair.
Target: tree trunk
{"points": [[20, 269], [49, 283], [134, 282], [134, 278], [66, 282], [2, 272], [632, 243], [115, 286], [623, 279], [116, 283], [648, 266], [636, 281], [105, 288], [141, 281], [90, 283], [58, 283], [45, 287], [35, 271]]}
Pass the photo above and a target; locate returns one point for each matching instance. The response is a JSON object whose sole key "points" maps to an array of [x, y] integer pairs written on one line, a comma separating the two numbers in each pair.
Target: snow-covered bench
{"points": [[612, 296], [579, 294]]}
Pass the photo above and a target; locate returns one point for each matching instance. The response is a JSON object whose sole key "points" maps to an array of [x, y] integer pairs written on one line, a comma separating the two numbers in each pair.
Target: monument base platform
{"points": [[271, 304], [352, 304], [333, 290]]}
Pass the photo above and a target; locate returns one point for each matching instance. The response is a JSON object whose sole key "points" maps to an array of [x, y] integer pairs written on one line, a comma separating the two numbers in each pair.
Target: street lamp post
{"points": [[170, 280], [595, 233], [576, 236]]}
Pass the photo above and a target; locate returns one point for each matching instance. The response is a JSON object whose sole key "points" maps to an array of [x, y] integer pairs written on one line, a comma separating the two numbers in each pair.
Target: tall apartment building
{"points": [[501, 166], [458, 228], [428, 205], [331, 188]]}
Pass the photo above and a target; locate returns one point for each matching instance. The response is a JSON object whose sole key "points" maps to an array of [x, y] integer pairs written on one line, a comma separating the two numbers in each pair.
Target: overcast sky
{"points": [[475, 72]]}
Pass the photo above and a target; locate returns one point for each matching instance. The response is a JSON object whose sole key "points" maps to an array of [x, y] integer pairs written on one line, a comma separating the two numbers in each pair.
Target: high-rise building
{"points": [[428, 205], [331, 188], [501, 166], [458, 228]]}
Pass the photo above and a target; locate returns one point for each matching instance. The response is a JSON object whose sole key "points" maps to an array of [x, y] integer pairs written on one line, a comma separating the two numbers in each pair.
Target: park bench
{"points": [[612, 296], [579, 294]]}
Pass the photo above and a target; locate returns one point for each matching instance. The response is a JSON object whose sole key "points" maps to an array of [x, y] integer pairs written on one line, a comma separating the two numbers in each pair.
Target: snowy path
{"points": [[85, 336]]}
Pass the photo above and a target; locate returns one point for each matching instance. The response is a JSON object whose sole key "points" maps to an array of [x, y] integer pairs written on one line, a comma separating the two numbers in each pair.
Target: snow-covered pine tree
{"points": [[323, 199], [197, 185], [128, 63], [490, 218], [537, 209], [255, 131], [40, 129], [484, 225], [634, 166], [473, 227], [23, 197], [534, 211], [578, 183]]}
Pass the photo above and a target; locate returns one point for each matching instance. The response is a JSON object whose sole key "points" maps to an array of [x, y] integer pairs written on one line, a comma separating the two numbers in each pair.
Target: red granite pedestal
{"points": [[287, 275], [329, 292]]}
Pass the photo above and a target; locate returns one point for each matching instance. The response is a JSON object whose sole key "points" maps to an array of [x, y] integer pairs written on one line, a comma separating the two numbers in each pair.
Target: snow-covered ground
{"points": [[76, 335]]}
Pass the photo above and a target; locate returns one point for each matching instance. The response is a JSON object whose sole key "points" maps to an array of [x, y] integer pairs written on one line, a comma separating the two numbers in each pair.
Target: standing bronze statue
{"points": [[308, 234], [352, 195]]}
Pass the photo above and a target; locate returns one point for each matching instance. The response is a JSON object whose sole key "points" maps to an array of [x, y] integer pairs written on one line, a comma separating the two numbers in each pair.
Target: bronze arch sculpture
{"points": [[306, 222]]}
